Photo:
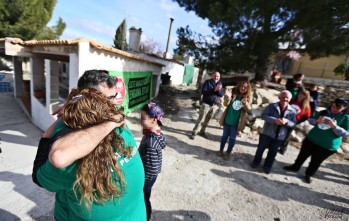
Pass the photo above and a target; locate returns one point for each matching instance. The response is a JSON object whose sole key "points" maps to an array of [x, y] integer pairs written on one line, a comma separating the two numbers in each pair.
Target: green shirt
{"points": [[324, 136], [130, 206], [233, 113]]}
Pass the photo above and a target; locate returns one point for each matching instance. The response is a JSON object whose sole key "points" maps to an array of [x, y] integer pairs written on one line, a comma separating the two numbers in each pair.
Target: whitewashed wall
{"points": [[100, 59], [195, 76], [41, 116], [40, 113], [89, 58], [176, 71]]}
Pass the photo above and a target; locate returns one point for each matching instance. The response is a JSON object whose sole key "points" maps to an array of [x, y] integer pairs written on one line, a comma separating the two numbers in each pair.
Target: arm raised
{"points": [[80, 143]]}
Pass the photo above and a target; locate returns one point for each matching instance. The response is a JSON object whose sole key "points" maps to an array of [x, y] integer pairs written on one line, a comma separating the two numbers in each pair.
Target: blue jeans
{"points": [[228, 131], [147, 192], [264, 143]]}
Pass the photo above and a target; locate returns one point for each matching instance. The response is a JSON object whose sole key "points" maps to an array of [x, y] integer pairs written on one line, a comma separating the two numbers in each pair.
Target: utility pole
{"points": [[167, 54]]}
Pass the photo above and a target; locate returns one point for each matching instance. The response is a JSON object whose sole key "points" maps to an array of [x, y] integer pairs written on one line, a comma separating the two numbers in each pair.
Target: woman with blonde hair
{"points": [[233, 119], [303, 104], [106, 184]]}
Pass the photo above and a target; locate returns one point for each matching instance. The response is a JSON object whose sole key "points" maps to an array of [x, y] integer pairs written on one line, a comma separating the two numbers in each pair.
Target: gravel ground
{"points": [[195, 184]]}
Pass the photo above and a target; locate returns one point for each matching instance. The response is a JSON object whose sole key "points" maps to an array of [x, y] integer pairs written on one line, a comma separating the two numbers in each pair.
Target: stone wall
{"points": [[329, 93], [329, 89]]}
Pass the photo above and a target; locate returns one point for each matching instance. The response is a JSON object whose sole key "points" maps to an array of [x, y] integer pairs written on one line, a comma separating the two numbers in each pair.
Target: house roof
{"points": [[165, 59], [36, 46]]}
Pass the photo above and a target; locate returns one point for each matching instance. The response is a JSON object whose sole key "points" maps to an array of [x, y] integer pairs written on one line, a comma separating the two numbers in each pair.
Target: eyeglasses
{"points": [[112, 97]]}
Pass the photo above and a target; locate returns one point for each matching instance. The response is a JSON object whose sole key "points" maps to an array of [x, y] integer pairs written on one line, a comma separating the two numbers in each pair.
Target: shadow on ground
{"points": [[270, 188], [180, 215], [20, 184]]}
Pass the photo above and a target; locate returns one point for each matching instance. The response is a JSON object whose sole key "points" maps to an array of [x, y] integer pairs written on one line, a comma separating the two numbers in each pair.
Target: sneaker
{"points": [[291, 168], [266, 170], [307, 179], [219, 153], [227, 156], [203, 135], [281, 151]]}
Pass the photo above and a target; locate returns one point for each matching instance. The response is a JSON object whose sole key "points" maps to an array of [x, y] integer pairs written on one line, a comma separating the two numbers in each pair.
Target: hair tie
{"points": [[75, 98]]}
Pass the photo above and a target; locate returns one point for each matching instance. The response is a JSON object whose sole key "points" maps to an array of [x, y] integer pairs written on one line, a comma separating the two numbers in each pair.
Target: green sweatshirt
{"points": [[67, 206], [325, 137]]}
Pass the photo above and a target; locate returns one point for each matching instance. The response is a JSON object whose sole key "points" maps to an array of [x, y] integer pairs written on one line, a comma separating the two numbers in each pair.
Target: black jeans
{"points": [[316, 153], [284, 144], [147, 192]]}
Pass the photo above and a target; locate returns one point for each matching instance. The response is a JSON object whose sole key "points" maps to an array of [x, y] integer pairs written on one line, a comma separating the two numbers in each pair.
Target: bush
{"points": [[342, 70]]}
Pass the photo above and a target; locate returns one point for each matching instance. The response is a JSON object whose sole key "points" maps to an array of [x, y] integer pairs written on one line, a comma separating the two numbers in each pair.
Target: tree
{"points": [[27, 19], [120, 36], [151, 46], [50, 33], [342, 70], [249, 32], [178, 57]]}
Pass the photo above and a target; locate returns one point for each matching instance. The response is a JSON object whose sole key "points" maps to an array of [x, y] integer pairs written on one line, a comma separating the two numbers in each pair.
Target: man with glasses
{"points": [[324, 139]]}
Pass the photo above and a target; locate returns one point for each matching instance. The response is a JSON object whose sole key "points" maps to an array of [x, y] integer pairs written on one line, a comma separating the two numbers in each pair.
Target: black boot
{"points": [[292, 168]]}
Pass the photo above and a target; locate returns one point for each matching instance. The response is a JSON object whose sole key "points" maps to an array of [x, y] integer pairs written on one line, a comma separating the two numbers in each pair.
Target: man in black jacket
{"points": [[212, 91]]}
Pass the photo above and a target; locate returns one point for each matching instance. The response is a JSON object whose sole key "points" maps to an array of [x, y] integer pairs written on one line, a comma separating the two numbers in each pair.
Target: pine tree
{"points": [[247, 33], [27, 19], [120, 36]]}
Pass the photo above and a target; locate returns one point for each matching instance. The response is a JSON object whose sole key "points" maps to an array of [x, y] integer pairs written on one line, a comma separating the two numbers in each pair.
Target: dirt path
{"points": [[195, 184]]}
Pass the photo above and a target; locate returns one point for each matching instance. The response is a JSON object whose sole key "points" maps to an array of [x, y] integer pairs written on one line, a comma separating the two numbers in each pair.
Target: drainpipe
{"points": [[166, 54]]}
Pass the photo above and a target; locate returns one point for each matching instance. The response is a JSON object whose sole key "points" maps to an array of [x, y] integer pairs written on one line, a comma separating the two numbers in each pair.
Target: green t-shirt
{"points": [[324, 136], [130, 206], [233, 113]]}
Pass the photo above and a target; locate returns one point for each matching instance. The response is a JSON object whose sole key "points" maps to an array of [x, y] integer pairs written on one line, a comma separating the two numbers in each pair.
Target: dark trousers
{"points": [[147, 192], [316, 153], [264, 143], [284, 143]]}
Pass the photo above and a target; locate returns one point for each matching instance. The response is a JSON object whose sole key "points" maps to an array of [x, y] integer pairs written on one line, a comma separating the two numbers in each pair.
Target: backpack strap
{"points": [[43, 151]]}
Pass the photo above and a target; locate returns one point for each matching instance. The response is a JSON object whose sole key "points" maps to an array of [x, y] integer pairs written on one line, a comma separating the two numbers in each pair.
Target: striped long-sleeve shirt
{"points": [[150, 150]]}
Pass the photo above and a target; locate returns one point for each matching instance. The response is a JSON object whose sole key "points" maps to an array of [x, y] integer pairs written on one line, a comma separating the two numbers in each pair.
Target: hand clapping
{"points": [[218, 87]]}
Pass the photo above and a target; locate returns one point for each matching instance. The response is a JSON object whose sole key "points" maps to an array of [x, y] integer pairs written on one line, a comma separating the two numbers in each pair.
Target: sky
{"points": [[99, 19]]}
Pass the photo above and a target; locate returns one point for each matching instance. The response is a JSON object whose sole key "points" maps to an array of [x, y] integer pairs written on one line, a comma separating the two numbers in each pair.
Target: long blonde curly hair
{"points": [[248, 93], [94, 176]]}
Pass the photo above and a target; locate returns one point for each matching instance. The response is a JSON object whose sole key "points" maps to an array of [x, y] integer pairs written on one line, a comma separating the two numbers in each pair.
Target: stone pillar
{"points": [[54, 73], [18, 76], [74, 71], [52, 84], [37, 78]]}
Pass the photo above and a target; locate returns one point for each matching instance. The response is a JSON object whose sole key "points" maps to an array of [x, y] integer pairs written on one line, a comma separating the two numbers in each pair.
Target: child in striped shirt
{"points": [[150, 148]]}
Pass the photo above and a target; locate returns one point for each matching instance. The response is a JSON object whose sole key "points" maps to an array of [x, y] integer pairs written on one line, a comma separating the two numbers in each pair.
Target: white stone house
{"points": [[174, 68], [46, 75]]}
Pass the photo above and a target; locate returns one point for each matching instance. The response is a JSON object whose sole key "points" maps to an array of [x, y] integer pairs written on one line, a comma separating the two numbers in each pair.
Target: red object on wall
{"points": [[121, 89]]}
